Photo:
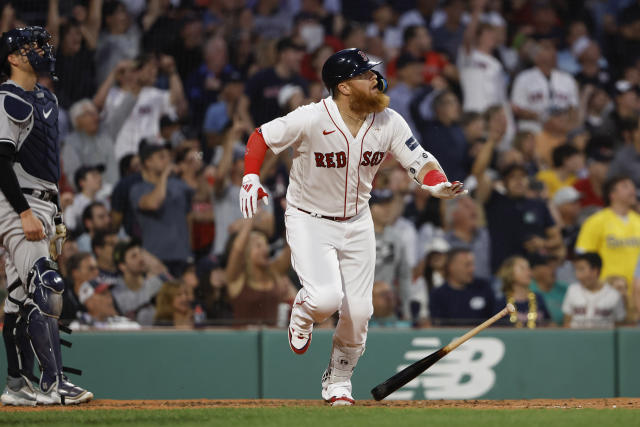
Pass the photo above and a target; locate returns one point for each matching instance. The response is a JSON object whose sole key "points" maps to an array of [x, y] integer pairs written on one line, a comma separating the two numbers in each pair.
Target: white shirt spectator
{"points": [[600, 309], [144, 121], [534, 92], [482, 79], [73, 213]]}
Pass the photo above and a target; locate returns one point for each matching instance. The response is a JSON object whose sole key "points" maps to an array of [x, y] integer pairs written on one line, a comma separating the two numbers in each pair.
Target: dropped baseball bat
{"points": [[384, 389]]}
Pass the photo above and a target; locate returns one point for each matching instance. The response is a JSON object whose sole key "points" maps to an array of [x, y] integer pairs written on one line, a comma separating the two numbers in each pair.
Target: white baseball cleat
{"points": [[63, 393], [18, 392], [337, 395], [299, 341]]}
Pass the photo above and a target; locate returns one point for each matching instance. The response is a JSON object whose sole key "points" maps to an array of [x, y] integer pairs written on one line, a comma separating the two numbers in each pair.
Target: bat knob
{"points": [[511, 308]]}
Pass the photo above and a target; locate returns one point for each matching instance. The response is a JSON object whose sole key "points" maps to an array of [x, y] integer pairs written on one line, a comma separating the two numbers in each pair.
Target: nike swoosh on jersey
{"points": [[324, 132], [47, 113]]}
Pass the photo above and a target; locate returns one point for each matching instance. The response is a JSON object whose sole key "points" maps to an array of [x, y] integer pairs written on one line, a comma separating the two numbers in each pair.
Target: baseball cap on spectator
{"points": [[147, 148], [407, 59], [82, 171], [566, 195], [121, 248], [92, 287], [288, 43], [600, 149], [380, 195], [437, 244], [231, 76], [622, 86], [286, 92]]}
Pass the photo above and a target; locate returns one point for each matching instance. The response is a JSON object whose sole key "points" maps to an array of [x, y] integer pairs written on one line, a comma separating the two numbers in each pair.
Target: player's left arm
{"points": [[421, 165]]}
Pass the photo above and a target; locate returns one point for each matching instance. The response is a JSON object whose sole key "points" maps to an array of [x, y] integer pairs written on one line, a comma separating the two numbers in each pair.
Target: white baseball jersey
{"points": [[533, 91], [589, 309], [332, 171], [482, 79], [144, 120]]}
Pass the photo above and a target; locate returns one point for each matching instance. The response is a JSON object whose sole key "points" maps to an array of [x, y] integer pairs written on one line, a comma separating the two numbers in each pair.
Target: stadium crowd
{"points": [[533, 104]]}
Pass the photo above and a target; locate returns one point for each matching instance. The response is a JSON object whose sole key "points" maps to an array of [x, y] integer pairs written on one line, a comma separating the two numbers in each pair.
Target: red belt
{"points": [[332, 218]]}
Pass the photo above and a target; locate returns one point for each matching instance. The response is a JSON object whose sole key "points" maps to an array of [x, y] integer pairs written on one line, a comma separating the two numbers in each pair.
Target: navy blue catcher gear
{"points": [[26, 41], [38, 154], [346, 64]]}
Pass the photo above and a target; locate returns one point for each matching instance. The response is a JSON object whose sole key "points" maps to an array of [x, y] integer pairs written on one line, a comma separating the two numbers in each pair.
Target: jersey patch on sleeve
{"points": [[411, 143], [17, 109]]}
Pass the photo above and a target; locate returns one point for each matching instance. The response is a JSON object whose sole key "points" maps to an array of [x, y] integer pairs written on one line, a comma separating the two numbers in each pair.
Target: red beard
{"points": [[364, 102]]}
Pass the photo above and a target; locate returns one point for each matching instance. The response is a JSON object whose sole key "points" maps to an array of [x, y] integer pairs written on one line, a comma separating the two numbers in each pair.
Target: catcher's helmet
{"points": [[345, 64], [16, 39]]}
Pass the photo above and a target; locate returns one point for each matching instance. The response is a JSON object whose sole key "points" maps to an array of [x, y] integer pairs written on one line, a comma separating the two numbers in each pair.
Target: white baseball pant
{"points": [[335, 261]]}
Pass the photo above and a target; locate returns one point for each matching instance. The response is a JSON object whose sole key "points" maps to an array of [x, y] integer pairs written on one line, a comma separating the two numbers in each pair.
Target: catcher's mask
{"points": [[26, 41]]}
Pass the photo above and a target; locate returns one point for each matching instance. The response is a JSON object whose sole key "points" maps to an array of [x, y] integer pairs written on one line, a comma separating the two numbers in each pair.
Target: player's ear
{"points": [[344, 88]]}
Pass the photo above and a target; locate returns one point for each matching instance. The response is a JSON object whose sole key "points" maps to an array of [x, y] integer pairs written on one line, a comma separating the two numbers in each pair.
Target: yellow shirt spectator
{"points": [[615, 239], [553, 183]]}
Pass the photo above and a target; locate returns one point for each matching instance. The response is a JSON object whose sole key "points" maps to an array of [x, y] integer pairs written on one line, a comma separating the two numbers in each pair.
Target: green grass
{"points": [[335, 417]]}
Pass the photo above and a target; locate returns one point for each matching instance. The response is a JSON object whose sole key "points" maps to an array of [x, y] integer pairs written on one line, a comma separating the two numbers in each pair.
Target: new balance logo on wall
{"points": [[465, 373]]}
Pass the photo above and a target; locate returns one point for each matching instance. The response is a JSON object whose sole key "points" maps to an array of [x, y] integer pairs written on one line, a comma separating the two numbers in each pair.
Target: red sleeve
{"points": [[255, 152]]}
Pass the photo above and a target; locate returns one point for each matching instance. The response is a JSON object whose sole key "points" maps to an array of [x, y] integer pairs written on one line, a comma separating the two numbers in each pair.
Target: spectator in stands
{"points": [[256, 284], [102, 245], [543, 269], [525, 143], [77, 298], [592, 65], [272, 20], [384, 307], [447, 38], [119, 39], [187, 49], [453, 156], [152, 103], [75, 42], [541, 90], [464, 230], [95, 218], [517, 224], [567, 203], [212, 294], [614, 232], [626, 111], [461, 300], [122, 213], [567, 163], [627, 159], [599, 153], [482, 76], [591, 303], [409, 78], [221, 113], [162, 205], [392, 265], [173, 307], [204, 84], [263, 87], [92, 140], [88, 181], [141, 275], [531, 309]]}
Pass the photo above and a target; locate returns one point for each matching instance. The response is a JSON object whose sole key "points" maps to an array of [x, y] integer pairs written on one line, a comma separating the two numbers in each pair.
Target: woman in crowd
{"points": [[173, 306], [256, 284], [531, 310]]}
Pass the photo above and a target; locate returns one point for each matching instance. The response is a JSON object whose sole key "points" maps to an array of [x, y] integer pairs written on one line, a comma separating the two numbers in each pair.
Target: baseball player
{"points": [[31, 227], [338, 146]]}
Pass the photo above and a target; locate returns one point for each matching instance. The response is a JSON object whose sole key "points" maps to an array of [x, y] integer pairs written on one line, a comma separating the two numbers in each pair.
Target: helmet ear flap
{"points": [[383, 85]]}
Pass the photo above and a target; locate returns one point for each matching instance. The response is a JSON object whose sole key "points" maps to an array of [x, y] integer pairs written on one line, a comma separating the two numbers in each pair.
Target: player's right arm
{"points": [[15, 113], [276, 135]]}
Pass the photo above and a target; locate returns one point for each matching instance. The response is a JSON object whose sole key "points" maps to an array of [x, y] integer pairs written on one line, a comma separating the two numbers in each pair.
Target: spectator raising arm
{"points": [[90, 27], [176, 91], [153, 201]]}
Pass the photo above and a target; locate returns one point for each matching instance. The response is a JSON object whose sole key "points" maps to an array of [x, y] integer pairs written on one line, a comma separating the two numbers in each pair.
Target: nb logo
{"points": [[47, 113], [466, 373]]}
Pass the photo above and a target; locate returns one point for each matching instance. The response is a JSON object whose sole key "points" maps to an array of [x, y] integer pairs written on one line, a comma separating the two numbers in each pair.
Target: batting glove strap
{"points": [[250, 192]]}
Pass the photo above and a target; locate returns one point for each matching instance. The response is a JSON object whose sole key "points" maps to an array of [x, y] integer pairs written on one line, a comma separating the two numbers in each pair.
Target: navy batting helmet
{"points": [[346, 64], [35, 37]]}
